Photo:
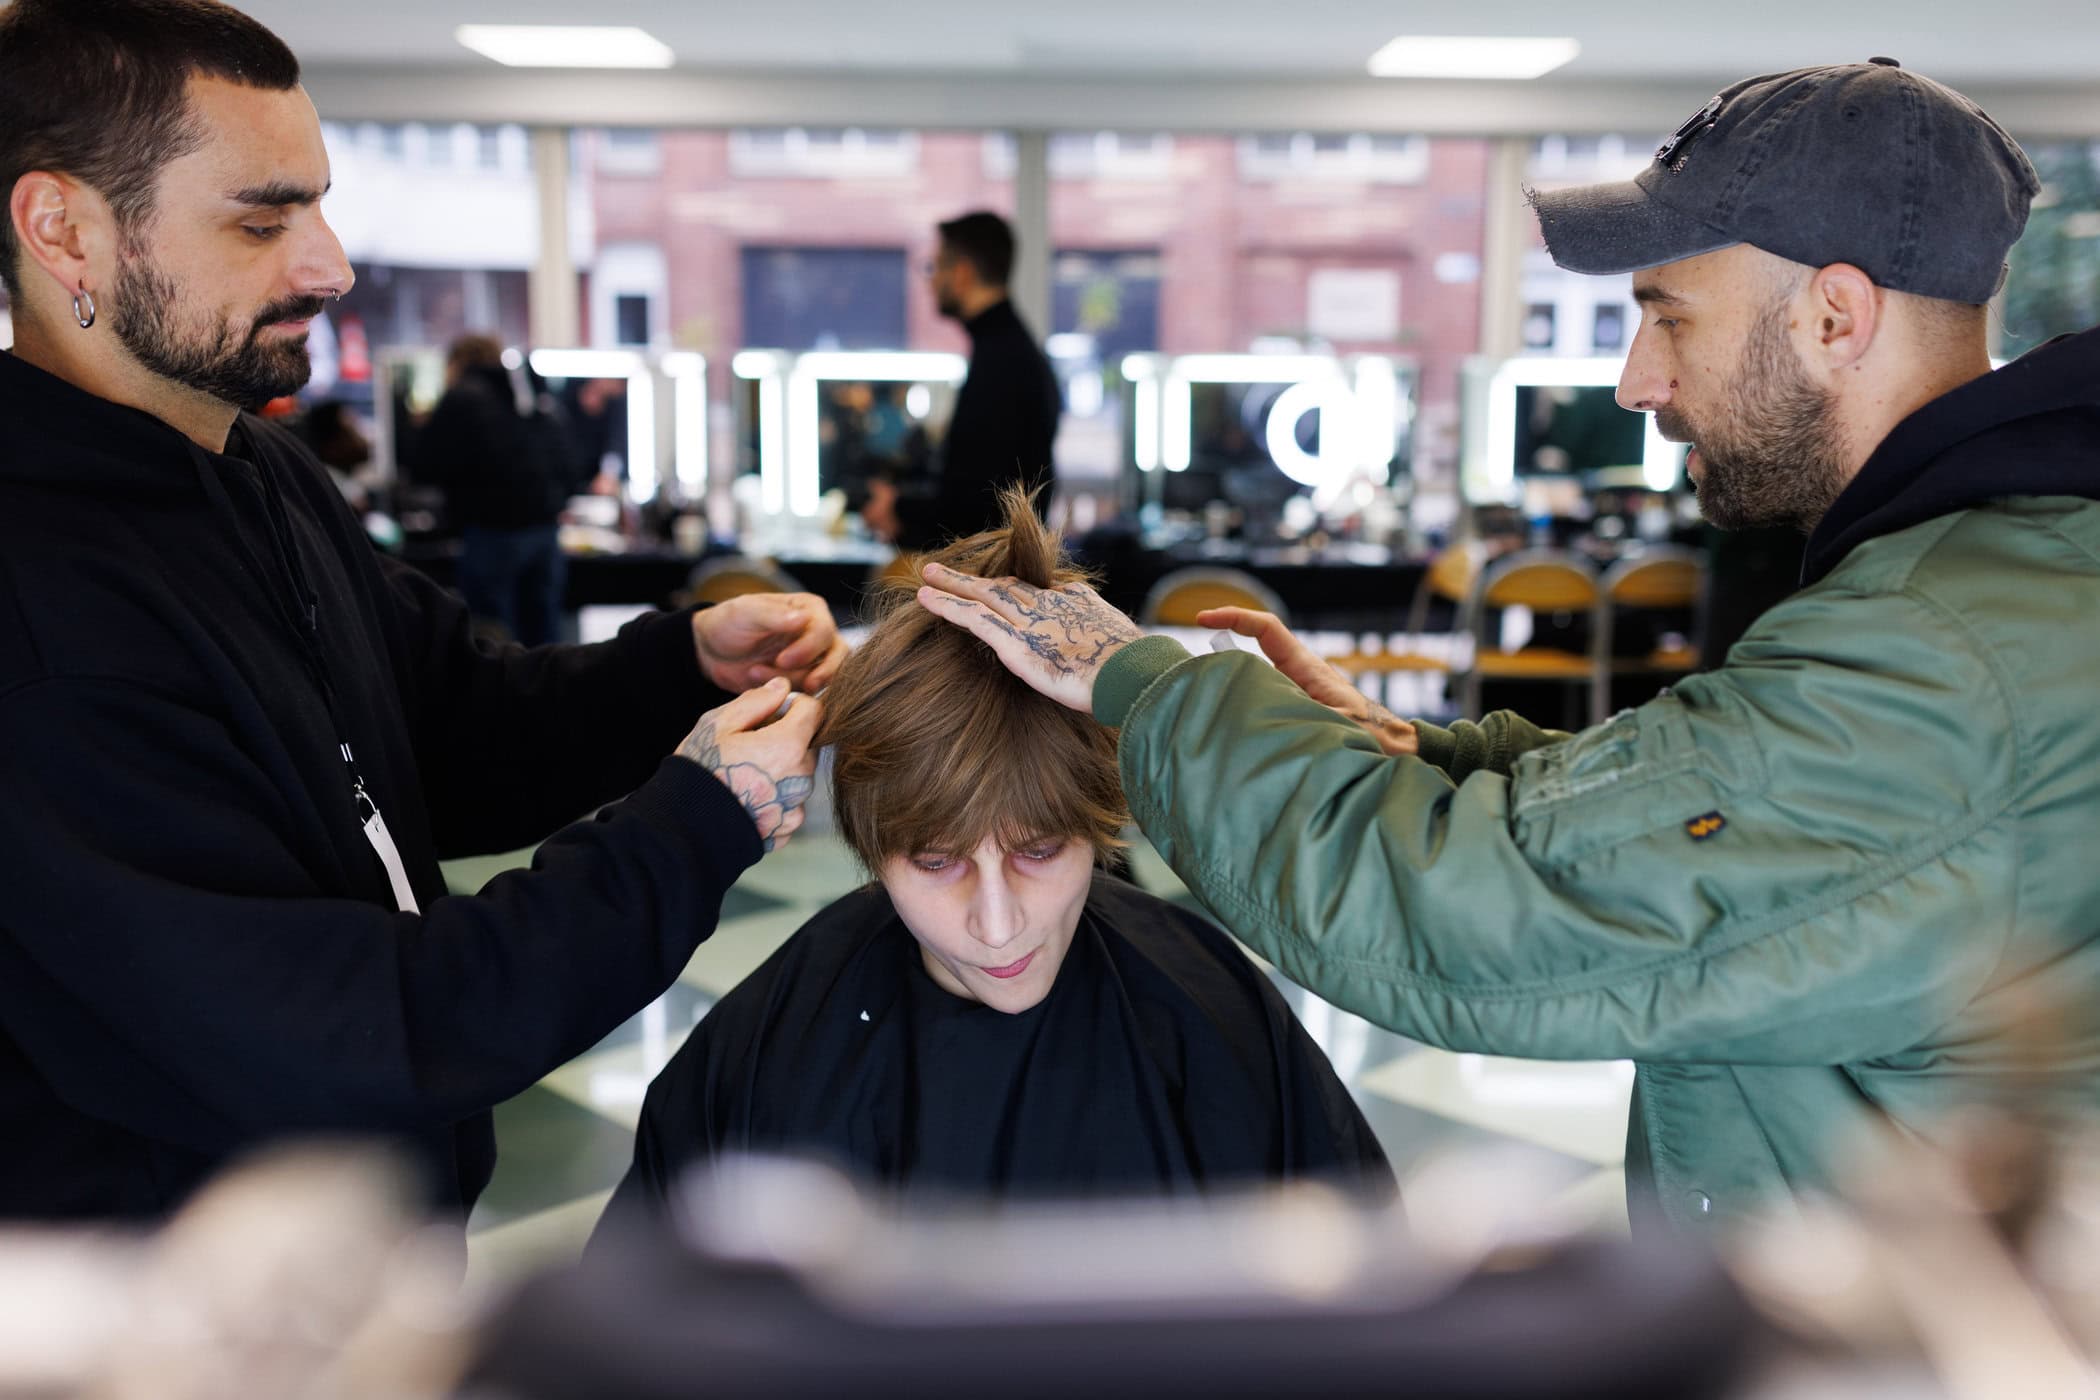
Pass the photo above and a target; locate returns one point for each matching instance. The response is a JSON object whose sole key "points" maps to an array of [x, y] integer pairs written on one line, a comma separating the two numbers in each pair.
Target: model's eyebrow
{"points": [[277, 195], [1657, 296]]}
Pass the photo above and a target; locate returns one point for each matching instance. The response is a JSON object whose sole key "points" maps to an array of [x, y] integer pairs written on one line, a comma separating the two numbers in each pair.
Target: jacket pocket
{"points": [[1682, 759]]}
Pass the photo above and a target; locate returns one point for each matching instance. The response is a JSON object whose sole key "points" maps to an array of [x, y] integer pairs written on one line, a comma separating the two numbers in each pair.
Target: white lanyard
{"points": [[382, 840]]}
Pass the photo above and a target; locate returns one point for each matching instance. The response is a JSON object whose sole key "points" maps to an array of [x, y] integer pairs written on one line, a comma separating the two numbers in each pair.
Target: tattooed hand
{"points": [[1314, 676], [768, 765], [1056, 639]]}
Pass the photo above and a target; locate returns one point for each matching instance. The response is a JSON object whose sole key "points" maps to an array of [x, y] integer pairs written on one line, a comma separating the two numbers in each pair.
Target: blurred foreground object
{"points": [[781, 1280], [301, 1277], [1971, 1265]]}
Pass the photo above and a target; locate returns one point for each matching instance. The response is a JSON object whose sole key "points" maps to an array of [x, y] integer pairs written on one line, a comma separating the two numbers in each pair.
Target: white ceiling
{"points": [[2008, 43]]}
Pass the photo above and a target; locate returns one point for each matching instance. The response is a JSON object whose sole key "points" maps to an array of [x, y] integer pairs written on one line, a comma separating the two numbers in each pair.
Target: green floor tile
{"points": [[549, 1151]]}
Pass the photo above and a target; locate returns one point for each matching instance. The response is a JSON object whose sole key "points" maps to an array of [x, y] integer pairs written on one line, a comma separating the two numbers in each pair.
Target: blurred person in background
{"points": [[235, 741], [594, 415], [506, 470], [997, 1015], [330, 431], [1818, 890], [1004, 426]]}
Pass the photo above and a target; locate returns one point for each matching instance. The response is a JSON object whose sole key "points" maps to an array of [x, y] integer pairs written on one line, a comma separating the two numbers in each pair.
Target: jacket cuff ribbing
{"points": [[1126, 674]]}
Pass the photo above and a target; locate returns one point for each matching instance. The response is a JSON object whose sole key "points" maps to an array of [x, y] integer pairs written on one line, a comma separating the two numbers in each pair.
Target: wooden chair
{"points": [[1545, 581], [732, 576], [1176, 599], [1660, 576]]}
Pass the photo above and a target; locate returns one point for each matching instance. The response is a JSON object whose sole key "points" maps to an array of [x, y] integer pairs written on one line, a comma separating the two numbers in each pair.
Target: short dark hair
{"points": [[99, 90], [985, 241]]}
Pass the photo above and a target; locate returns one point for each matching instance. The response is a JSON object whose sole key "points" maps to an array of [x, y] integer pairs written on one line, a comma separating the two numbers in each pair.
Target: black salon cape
{"points": [[1161, 1062]]}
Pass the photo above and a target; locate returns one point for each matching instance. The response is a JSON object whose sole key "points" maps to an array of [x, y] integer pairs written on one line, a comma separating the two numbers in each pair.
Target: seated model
{"points": [[996, 1016]]}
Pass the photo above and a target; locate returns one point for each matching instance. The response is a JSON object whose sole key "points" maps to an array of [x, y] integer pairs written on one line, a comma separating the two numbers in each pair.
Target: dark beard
{"points": [[234, 369], [1775, 459]]}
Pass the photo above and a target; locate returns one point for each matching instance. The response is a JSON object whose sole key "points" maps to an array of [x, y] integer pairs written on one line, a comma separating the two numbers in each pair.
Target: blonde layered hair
{"points": [[937, 746]]}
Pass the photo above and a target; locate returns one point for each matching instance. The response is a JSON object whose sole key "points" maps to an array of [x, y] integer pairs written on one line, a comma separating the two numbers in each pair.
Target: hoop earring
{"points": [[87, 317]]}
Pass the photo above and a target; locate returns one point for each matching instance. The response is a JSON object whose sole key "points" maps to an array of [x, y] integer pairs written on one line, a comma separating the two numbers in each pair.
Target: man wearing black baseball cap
{"points": [[1846, 878], [1813, 252]]}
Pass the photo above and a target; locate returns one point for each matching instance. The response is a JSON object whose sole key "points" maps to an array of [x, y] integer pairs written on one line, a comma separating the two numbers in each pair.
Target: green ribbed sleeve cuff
{"points": [[1124, 678], [1435, 745]]}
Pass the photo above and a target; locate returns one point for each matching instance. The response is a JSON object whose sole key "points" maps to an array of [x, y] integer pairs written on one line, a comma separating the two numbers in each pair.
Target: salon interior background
{"points": [[1183, 179]]}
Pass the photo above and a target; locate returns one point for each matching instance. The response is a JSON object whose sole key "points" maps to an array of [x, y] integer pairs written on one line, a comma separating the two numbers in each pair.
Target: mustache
{"points": [[290, 309], [1672, 425]]}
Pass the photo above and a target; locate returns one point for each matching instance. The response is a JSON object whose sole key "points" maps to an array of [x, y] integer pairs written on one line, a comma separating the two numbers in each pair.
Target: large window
{"points": [[441, 225], [1343, 243], [794, 238], [1570, 313], [2054, 283], [820, 152]]}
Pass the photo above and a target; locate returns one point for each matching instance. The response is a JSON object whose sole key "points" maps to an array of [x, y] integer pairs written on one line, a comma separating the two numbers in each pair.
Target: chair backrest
{"points": [[1450, 576], [732, 576], [1657, 577], [1452, 572], [1176, 599], [1544, 580]]}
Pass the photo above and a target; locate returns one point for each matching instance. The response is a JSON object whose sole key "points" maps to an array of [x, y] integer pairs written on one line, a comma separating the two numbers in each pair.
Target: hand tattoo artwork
{"points": [[1394, 734], [1067, 628], [767, 800]]}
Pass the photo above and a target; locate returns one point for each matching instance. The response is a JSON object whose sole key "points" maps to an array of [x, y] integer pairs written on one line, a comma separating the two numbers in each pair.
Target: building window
{"points": [[1090, 155], [1358, 156], [630, 150], [1539, 319], [1107, 300], [1608, 328], [631, 319], [824, 298], [822, 152]]}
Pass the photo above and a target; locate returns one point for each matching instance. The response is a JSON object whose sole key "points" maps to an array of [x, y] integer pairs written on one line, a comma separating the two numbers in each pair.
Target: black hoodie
{"points": [[501, 469], [2031, 428], [1002, 432], [199, 949]]}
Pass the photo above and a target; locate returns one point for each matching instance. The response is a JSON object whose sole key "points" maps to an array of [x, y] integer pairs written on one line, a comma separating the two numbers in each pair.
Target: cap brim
{"points": [[1605, 229]]}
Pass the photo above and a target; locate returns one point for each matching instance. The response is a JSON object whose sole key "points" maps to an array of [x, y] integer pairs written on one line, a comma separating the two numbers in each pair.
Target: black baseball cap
{"points": [[1861, 163]]}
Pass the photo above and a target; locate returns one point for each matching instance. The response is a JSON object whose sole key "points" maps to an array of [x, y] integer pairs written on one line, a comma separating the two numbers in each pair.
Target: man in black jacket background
{"points": [[1005, 419], [235, 741], [506, 471]]}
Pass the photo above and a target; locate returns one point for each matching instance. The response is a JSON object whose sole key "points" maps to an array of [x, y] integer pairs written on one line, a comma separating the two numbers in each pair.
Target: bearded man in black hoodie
{"points": [[235, 742]]}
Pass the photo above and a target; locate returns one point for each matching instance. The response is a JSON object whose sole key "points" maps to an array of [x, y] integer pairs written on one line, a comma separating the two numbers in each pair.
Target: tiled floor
{"points": [[565, 1143]]}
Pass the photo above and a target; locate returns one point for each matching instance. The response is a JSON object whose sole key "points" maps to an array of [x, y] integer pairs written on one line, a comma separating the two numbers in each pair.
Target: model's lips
{"points": [[292, 327], [1011, 970]]}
